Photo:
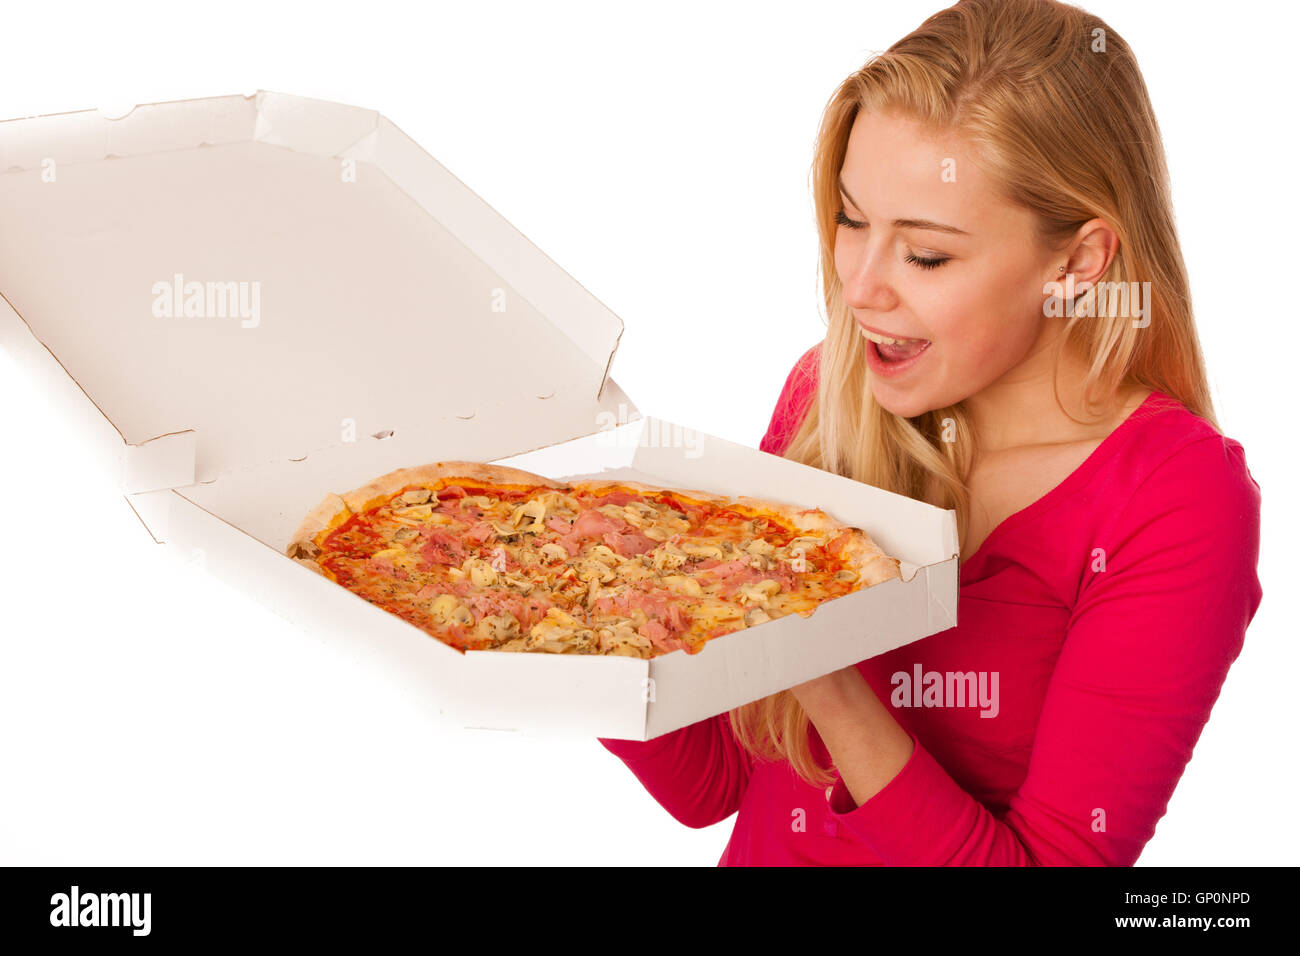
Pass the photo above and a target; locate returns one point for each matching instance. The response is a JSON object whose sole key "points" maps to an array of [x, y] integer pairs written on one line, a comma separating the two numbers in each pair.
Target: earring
{"points": [[1060, 268]]}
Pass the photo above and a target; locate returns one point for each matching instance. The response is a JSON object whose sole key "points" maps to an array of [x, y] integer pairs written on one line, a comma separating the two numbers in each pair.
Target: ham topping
{"points": [[629, 544], [440, 547]]}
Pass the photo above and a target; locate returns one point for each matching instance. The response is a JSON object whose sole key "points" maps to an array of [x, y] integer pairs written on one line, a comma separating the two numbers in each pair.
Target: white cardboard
{"points": [[341, 259], [374, 264]]}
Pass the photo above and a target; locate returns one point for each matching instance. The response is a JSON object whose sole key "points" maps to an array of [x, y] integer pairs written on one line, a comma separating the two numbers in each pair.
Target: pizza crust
{"points": [[335, 508], [330, 513], [705, 497], [872, 564], [860, 552], [427, 475], [805, 519]]}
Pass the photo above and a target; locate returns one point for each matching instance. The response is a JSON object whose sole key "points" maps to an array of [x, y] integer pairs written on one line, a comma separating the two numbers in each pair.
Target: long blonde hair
{"points": [[1052, 100]]}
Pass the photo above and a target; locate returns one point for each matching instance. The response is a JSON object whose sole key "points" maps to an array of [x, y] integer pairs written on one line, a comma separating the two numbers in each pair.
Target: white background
{"points": [[660, 154]]}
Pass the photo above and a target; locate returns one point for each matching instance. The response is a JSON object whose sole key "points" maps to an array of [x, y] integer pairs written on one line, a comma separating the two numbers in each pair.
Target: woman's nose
{"points": [[865, 284]]}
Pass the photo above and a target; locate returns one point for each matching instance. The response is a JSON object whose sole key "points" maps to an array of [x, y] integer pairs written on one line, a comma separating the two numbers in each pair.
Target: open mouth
{"points": [[893, 351]]}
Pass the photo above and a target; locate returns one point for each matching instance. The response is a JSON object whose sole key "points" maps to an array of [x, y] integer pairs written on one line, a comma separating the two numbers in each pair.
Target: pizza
{"points": [[486, 557]]}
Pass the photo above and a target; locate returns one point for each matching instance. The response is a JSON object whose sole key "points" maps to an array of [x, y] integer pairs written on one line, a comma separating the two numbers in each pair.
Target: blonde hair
{"points": [[1052, 100]]}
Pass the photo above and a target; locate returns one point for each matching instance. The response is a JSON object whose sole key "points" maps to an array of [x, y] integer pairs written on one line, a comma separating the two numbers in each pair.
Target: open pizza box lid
{"points": [[246, 302]]}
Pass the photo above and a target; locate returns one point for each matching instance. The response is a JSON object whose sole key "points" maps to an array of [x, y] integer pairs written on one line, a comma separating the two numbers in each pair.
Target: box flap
{"points": [[281, 276]]}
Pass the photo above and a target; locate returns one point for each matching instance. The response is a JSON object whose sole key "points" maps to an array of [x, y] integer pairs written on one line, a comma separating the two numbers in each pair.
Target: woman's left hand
{"points": [[866, 744]]}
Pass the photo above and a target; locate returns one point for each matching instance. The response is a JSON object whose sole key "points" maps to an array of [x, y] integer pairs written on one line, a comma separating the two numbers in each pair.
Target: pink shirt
{"points": [[1105, 678]]}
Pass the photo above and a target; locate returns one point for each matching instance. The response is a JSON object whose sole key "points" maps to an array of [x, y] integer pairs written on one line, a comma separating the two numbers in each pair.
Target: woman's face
{"points": [[931, 254]]}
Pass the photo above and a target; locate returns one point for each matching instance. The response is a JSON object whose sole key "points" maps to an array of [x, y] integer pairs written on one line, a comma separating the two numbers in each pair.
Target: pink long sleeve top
{"points": [[1110, 610]]}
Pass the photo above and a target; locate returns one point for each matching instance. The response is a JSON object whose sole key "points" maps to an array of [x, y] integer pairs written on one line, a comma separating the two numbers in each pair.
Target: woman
{"points": [[980, 189]]}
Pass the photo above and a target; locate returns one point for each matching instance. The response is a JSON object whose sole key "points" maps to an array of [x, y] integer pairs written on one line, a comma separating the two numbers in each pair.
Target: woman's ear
{"points": [[1090, 255]]}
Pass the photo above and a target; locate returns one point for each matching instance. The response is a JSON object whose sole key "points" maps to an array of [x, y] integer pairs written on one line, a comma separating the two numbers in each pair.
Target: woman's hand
{"points": [[867, 745]]}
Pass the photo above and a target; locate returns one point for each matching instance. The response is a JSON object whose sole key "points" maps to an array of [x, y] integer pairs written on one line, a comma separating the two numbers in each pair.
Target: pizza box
{"points": [[183, 278]]}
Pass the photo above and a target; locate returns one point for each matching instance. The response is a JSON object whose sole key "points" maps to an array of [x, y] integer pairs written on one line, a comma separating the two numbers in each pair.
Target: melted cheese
{"points": [[540, 568]]}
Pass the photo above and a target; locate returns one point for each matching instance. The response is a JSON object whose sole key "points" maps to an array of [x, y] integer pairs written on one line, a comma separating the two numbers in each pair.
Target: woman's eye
{"points": [[844, 220], [918, 261], [924, 263]]}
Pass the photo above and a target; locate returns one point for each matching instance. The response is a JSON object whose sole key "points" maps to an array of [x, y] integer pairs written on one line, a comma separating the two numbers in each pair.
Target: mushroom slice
{"points": [[589, 569], [683, 584], [497, 628], [413, 511], [447, 609], [584, 641], [634, 571], [516, 583], [668, 556], [593, 588], [611, 511], [806, 542], [676, 521], [555, 501], [480, 572], [305, 549], [759, 593], [622, 639], [443, 606], [555, 551], [552, 633], [530, 516], [703, 551]]}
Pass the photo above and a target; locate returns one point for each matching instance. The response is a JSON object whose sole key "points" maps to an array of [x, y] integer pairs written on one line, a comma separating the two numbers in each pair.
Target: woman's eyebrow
{"points": [[911, 223]]}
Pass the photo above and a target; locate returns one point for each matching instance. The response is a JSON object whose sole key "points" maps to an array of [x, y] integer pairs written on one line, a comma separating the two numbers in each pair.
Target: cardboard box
{"points": [[183, 279]]}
